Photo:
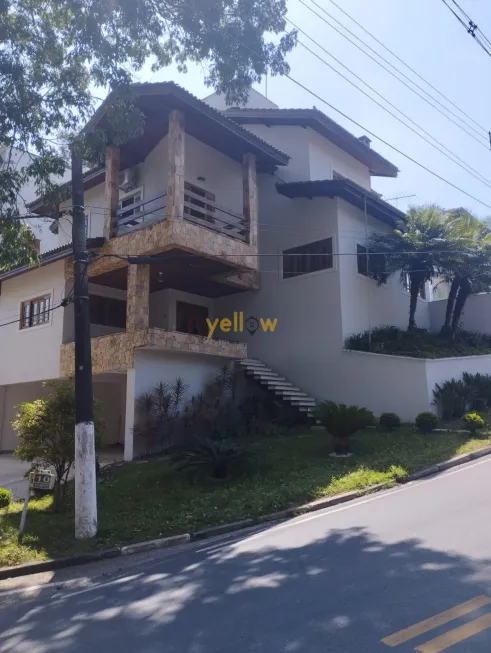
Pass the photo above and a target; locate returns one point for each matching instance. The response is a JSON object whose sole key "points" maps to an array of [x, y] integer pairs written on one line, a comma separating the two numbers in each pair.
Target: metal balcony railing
{"points": [[141, 214], [199, 209]]}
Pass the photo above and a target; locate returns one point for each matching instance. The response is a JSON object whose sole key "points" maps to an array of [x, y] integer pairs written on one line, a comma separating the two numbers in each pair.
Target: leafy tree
{"points": [[53, 55], [45, 429], [415, 250], [467, 266]]}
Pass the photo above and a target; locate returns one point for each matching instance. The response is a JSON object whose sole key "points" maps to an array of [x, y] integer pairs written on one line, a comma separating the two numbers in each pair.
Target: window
{"points": [[191, 318], [308, 258], [128, 201], [107, 311], [375, 262], [405, 286], [35, 312]]}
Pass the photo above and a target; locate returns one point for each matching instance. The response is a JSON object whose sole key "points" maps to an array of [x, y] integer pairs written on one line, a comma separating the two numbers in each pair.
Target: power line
{"points": [[484, 142], [470, 27], [451, 156], [63, 303], [407, 65]]}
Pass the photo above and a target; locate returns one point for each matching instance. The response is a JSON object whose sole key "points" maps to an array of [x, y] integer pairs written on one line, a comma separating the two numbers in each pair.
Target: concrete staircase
{"points": [[280, 386]]}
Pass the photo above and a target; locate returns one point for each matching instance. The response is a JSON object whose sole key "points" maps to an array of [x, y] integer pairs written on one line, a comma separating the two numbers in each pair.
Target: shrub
{"points": [[473, 422], [426, 422], [452, 398], [5, 497], [45, 428], [389, 421], [479, 386], [419, 343], [158, 414], [343, 421], [216, 459]]}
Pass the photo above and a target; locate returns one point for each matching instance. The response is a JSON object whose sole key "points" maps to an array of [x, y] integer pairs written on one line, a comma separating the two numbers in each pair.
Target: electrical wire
{"points": [[407, 65], [484, 142], [451, 156], [470, 27], [62, 304]]}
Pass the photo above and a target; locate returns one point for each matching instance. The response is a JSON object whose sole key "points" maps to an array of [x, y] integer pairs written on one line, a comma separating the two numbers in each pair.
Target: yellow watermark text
{"points": [[238, 324]]}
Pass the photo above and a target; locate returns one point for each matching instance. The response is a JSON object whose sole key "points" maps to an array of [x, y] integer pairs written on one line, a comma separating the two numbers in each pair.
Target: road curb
{"points": [[58, 563], [176, 540]]}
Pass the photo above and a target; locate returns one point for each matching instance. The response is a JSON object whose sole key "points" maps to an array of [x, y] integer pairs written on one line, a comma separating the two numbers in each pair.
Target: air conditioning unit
{"points": [[128, 179]]}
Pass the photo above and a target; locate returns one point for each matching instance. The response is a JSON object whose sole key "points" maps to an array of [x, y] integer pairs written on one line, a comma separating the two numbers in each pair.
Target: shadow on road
{"points": [[343, 592]]}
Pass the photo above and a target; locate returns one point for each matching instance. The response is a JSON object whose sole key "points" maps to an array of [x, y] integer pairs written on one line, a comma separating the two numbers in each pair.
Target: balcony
{"points": [[116, 352], [200, 208]]}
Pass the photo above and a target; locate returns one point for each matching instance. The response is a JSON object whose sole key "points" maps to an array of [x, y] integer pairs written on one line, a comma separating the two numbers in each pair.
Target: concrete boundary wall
{"points": [[400, 384]]}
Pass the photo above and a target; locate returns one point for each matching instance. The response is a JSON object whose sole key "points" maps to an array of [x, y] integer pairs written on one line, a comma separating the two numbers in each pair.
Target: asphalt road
{"points": [[341, 580]]}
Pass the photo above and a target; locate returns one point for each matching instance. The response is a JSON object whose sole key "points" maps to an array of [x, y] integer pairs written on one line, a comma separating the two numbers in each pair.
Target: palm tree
{"points": [[467, 265], [415, 249]]}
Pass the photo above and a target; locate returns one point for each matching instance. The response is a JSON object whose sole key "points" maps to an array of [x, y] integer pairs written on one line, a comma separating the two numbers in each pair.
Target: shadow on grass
{"points": [[302, 591], [147, 500]]}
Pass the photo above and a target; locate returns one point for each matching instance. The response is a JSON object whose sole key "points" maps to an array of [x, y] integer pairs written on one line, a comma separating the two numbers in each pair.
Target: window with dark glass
{"points": [[107, 311], [307, 258], [371, 264]]}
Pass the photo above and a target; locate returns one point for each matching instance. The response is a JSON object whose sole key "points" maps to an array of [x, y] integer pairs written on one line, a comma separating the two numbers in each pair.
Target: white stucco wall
{"points": [[476, 315], [308, 333], [364, 303], [399, 384], [151, 367], [255, 101], [222, 175], [293, 141], [325, 157], [382, 383], [31, 354]]}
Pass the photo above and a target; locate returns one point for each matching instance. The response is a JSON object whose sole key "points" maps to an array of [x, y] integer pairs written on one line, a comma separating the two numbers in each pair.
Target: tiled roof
{"points": [[325, 126], [350, 192]]}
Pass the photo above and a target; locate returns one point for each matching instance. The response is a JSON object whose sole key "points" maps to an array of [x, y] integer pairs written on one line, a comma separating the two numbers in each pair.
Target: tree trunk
{"points": [[341, 446], [463, 294], [446, 328], [415, 285]]}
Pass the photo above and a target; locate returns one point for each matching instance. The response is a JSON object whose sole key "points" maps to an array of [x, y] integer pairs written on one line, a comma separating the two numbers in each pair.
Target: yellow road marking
{"points": [[457, 635], [436, 621]]}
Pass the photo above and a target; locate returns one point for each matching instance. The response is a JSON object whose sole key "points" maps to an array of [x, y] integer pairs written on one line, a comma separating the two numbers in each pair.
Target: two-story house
{"points": [[257, 210]]}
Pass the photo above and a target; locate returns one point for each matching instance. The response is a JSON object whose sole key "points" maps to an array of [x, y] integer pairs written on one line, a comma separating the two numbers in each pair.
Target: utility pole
{"points": [[85, 465]]}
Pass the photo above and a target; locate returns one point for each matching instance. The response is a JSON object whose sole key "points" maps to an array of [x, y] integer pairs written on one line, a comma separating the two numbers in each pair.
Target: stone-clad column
{"points": [[138, 297], [111, 191], [250, 197], [175, 191]]}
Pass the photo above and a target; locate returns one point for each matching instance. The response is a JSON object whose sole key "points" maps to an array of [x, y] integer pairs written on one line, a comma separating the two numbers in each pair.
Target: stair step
{"points": [[245, 362], [286, 392]]}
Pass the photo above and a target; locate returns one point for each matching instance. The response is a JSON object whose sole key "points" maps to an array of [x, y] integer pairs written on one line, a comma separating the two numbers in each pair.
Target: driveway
{"points": [[12, 473]]}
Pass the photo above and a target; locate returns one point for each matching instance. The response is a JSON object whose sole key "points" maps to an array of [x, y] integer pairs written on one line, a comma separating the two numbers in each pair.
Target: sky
{"points": [[430, 39]]}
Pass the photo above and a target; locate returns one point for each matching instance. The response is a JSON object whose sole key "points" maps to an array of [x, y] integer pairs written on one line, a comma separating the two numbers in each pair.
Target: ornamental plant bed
{"points": [[419, 343]]}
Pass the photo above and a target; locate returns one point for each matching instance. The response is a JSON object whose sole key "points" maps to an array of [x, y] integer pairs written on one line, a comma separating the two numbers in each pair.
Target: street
{"points": [[408, 569]]}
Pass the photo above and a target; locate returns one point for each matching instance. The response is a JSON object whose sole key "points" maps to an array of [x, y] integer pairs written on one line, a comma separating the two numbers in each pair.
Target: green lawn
{"points": [[146, 500]]}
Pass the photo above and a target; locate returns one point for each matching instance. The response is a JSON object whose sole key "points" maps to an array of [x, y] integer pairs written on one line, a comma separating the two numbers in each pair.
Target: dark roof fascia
{"points": [[170, 88], [319, 122], [349, 191]]}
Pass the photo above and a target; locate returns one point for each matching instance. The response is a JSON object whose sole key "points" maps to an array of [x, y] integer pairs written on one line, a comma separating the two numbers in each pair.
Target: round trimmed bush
{"points": [[473, 422], [426, 422], [389, 421], [5, 497]]}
